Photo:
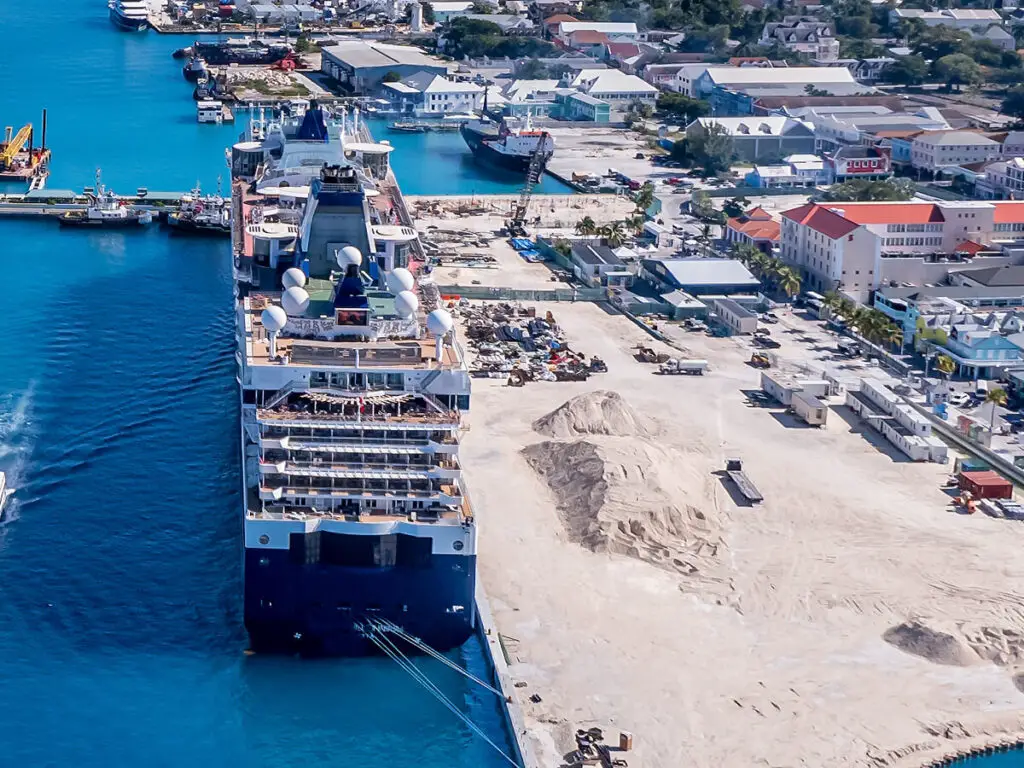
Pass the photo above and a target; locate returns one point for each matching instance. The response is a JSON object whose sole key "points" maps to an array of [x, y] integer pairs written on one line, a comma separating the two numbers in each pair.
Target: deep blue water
{"points": [[1004, 760], [120, 563]]}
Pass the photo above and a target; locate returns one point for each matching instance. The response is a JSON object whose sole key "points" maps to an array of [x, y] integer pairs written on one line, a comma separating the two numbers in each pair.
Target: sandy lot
{"points": [[721, 634]]}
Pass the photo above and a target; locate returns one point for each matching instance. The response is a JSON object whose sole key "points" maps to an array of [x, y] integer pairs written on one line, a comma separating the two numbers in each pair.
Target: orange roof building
{"points": [[855, 247], [755, 227]]}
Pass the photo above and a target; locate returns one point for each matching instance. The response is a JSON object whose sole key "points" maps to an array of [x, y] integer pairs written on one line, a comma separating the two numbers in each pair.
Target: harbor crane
{"points": [[12, 146], [533, 173]]}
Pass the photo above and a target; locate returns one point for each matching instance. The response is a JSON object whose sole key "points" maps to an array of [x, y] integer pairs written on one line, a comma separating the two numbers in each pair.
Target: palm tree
{"points": [[834, 303], [893, 334], [704, 238], [644, 197], [614, 233], [788, 281], [586, 227], [760, 265], [745, 253], [996, 397], [944, 364], [636, 223]]}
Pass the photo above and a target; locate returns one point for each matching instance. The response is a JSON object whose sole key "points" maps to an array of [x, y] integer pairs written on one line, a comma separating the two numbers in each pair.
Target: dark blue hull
{"points": [[314, 609]]}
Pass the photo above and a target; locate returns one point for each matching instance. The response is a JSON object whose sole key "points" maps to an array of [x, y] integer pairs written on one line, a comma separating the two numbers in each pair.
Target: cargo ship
{"points": [[509, 144], [353, 390]]}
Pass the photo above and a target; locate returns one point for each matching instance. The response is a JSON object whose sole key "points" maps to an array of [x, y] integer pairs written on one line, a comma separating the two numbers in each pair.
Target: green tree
{"points": [[735, 206], [712, 148], [1013, 102], [614, 234], [906, 70], [995, 397], [586, 227], [644, 197], [941, 40], [788, 281], [958, 69], [745, 253], [681, 153], [860, 190], [481, 7], [532, 69], [681, 106], [944, 364], [391, 77], [893, 334], [428, 13]]}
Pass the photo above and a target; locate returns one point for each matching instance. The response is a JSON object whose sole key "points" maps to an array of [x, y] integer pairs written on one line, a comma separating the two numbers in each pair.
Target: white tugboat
{"points": [[105, 210]]}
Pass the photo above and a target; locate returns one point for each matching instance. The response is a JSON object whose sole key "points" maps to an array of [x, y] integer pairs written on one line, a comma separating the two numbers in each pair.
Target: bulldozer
{"points": [[648, 355], [760, 360]]}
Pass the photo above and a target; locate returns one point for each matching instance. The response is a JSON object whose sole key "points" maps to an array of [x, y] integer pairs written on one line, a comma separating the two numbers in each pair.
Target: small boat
{"points": [[129, 15], [5, 493], [194, 70], [213, 111], [200, 214], [105, 210], [400, 127]]}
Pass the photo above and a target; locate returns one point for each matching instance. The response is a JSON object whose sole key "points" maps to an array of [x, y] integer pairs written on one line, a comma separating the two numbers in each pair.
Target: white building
{"points": [[615, 87], [802, 34], [938, 151], [425, 94], [981, 23], [837, 81], [855, 247]]}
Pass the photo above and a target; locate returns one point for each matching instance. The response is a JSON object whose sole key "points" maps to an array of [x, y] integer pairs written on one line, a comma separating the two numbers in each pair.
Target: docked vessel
{"points": [[130, 15], [509, 144], [213, 111], [201, 214], [240, 50], [194, 69], [104, 210], [352, 394]]}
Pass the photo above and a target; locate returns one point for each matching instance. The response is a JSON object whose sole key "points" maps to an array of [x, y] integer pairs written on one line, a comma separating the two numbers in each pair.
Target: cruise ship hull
{"points": [[129, 25], [315, 610]]}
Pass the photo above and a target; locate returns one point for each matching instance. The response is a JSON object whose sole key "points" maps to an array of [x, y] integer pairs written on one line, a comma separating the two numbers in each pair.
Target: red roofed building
{"points": [[589, 41], [755, 227], [854, 247], [551, 23]]}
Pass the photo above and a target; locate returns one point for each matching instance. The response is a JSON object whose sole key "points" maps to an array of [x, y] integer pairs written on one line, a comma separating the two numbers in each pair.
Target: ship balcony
{"points": [[353, 419], [354, 512], [337, 497], [400, 445], [442, 471]]}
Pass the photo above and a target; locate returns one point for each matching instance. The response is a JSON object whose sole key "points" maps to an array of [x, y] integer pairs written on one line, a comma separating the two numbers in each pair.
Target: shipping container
{"points": [[986, 485], [809, 408]]}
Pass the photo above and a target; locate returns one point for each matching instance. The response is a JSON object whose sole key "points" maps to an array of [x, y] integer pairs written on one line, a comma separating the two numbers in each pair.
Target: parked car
{"points": [[959, 399], [769, 317]]}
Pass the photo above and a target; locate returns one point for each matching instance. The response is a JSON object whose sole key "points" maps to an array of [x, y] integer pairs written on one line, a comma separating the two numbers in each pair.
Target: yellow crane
{"points": [[11, 147]]}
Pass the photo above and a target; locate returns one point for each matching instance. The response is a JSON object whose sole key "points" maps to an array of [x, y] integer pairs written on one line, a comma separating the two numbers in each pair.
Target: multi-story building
{"points": [[616, 31], [760, 138], [426, 94], [614, 87], [855, 247], [802, 34], [1002, 180], [940, 151], [756, 227]]}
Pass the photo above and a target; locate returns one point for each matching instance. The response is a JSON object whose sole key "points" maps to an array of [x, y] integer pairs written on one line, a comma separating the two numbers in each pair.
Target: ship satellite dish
{"points": [[406, 304], [399, 280], [295, 301], [293, 277], [439, 322], [349, 256], [274, 318]]}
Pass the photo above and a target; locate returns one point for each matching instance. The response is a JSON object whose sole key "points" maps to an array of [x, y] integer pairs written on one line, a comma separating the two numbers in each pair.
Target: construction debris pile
{"points": [[269, 79], [591, 750], [453, 246], [510, 340]]}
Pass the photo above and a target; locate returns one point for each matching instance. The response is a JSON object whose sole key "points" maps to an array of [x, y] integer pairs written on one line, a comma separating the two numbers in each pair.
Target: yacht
{"points": [[353, 392], [130, 15]]}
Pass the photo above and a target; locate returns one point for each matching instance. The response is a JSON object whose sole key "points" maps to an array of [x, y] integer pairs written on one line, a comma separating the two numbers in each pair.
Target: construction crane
{"points": [[11, 147], [533, 172]]}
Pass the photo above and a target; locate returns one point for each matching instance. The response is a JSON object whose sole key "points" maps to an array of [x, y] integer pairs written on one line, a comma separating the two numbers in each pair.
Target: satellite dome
{"points": [[406, 304], [399, 280], [293, 277], [295, 300], [349, 256], [274, 318], [439, 322]]}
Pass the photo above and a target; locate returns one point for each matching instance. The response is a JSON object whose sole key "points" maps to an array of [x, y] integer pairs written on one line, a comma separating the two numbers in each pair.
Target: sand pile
{"points": [[592, 413], [629, 497], [944, 645]]}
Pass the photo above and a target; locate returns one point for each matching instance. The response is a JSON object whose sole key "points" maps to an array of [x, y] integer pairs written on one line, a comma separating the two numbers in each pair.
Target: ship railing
{"points": [[436, 515], [302, 466], [418, 417]]}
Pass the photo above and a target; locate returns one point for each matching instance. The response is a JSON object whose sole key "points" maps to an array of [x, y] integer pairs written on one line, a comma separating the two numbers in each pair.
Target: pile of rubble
{"points": [[272, 78], [510, 340]]}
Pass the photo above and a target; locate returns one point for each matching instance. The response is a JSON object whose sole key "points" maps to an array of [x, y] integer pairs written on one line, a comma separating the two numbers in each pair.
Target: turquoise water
{"points": [[120, 563], [1003, 760]]}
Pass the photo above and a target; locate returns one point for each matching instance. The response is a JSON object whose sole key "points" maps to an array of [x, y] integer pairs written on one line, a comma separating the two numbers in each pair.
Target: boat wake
{"points": [[16, 442]]}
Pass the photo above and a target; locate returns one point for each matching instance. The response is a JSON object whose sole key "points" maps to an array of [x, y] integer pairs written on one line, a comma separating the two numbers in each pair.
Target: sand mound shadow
{"points": [[940, 646]]}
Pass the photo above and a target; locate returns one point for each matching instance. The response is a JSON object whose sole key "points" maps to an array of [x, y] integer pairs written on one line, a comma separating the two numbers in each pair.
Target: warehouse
{"points": [[360, 66]]}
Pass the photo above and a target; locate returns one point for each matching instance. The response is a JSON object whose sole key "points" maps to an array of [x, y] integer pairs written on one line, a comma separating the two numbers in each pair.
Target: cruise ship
{"points": [[131, 15], [353, 394]]}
